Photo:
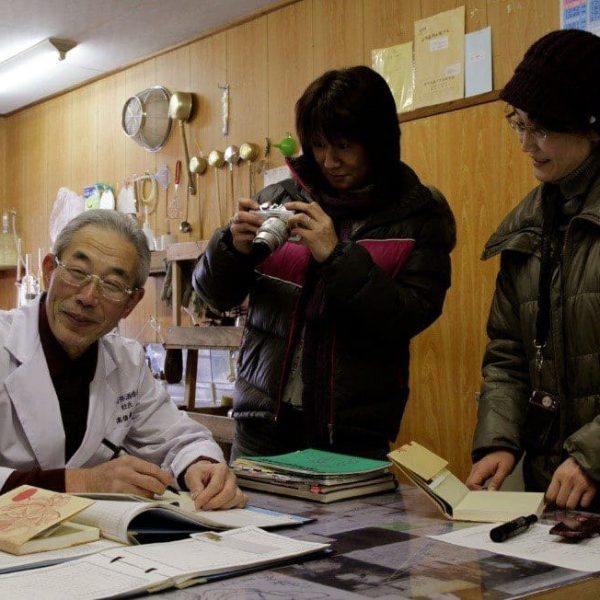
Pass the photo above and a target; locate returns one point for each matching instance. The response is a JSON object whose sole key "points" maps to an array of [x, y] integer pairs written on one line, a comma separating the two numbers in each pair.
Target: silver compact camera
{"points": [[274, 229]]}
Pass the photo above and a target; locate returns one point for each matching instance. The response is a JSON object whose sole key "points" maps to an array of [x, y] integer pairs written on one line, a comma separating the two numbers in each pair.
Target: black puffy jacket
{"points": [[382, 286]]}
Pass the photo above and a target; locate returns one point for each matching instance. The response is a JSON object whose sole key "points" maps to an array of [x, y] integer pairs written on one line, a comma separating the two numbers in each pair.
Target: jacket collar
{"points": [[521, 229]]}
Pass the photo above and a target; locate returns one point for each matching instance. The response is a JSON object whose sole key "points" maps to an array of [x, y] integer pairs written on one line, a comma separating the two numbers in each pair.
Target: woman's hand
{"points": [[495, 466], [244, 224], [314, 228], [570, 487]]}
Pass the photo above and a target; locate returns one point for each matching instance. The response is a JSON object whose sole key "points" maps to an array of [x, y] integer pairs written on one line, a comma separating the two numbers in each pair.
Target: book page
{"points": [[244, 517], [209, 553], [450, 488], [112, 517], [500, 506], [11, 562], [88, 577], [419, 460]]}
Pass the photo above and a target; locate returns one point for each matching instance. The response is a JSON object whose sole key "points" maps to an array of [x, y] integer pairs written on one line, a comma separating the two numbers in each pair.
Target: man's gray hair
{"points": [[111, 220]]}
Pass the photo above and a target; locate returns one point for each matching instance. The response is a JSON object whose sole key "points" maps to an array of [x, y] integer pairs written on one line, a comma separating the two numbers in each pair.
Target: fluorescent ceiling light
{"points": [[39, 61]]}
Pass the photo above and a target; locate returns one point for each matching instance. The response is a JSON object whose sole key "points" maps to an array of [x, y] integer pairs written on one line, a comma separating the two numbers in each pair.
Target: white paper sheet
{"points": [[535, 544], [478, 62]]}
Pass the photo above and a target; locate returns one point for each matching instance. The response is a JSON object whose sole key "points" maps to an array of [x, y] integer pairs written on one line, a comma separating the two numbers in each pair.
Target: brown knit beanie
{"points": [[558, 80]]}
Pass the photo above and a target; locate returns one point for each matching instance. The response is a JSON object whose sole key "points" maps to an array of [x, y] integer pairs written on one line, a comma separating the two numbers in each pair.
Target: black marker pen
{"points": [[511, 528]]}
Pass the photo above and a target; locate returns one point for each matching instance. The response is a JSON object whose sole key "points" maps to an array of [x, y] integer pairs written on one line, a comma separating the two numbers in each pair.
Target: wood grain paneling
{"points": [[515, 25], [290, 62], [338, 39], [483, 177], [469, 154], [389, 23]]}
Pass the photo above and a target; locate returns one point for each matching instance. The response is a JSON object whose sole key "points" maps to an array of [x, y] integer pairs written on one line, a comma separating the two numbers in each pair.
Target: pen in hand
{"points": [[512, 528], [120, 451]]}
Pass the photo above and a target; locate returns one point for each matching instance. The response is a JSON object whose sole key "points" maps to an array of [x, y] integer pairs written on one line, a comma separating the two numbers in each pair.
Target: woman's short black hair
{"points": [[355, 104]]}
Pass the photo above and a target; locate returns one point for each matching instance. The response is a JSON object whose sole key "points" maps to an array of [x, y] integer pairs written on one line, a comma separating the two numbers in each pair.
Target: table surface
{"points": [[381, 550]]}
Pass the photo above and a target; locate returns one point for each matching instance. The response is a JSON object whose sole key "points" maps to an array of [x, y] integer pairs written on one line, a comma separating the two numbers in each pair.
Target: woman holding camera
{"points": [[541, 370], [324, 359]]}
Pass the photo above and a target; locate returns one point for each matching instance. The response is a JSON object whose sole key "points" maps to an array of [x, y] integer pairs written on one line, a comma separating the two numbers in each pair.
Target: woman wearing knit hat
{"points": [[541, 370]]}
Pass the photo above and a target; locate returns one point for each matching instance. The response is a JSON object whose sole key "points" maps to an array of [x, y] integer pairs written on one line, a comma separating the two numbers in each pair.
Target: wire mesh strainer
{"points": [[145, 118]]}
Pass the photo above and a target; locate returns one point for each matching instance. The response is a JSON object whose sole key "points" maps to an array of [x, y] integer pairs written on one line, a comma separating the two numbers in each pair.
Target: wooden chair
{"points": [[194, 338], [221, 426]]}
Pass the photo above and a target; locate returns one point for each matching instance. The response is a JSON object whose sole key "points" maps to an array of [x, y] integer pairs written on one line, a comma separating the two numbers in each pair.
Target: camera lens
{"points": [[272, 233]]}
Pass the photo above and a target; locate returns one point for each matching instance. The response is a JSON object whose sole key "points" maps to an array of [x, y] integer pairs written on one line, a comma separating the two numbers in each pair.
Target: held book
{"points": [[154, 567], [142, 522], [35, 520], [453, 498]]}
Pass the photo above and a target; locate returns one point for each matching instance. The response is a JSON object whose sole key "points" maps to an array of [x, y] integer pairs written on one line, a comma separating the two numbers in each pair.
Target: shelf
{"points": [[445, 107], [186, 250], [211, 336]]}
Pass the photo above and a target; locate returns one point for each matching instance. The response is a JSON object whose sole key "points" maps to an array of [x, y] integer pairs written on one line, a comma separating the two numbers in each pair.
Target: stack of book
{"points": [[314, 475]]}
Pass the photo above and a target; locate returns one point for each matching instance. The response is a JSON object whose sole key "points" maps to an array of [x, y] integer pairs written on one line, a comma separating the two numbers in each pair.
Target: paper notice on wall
{"points": [[478, 62], [396, 65], [580, 14], [276, 174], [439, 58]]}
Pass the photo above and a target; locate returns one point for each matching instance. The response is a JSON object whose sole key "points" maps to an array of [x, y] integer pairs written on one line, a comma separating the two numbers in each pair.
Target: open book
{"points": [[453, 498], [36, 520], [140, 521], [155, 567]]}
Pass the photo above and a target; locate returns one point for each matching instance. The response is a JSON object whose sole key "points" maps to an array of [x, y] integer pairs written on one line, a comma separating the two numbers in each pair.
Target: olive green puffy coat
{"points": [[571, 366]]}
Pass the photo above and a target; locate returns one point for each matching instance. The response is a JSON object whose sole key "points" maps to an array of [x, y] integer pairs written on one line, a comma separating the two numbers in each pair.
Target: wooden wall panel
{"points": [[515, 25], [290, 61], [208, 59], [470, 154], [337, 34], [247, 75], [483, 177], [389, 23]]}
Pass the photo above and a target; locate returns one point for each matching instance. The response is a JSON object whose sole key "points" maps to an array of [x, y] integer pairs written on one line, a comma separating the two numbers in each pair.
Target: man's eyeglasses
{"points": [[114, 291], [537, 133]]}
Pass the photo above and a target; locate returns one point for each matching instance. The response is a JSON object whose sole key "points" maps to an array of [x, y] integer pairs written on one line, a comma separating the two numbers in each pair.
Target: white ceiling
{"points": [[109, 34]]}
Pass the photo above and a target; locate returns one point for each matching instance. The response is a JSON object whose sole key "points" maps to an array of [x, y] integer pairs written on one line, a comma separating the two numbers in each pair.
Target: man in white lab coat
{"points": [[79, 408]]}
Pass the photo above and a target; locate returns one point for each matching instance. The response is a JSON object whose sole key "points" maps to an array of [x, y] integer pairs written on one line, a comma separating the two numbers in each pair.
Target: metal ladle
{"points": [[216, 160], [249, 152], [232, 157]]}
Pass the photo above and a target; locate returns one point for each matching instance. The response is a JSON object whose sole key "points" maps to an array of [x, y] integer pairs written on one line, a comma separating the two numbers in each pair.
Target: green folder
{"points": [[320, 462]]}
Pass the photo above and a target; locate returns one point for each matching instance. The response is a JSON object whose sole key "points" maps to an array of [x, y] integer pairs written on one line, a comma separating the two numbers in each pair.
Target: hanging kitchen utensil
{"points": [[249, 152], [173, 211], [216, 160], [180, 109], [232, 157], [145, 118], [287, 146]]}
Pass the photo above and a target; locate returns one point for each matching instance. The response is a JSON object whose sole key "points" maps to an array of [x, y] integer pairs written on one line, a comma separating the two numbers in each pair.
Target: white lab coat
{"points": [[127, 406]]}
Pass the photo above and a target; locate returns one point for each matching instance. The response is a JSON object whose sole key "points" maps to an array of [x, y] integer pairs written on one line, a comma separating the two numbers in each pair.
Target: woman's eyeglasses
{"points": [[537, 133]]}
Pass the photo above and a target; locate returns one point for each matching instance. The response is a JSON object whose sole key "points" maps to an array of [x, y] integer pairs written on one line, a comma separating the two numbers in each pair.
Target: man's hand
{"points": [[244, 225], [314, 228], [495, 465], [213, 486], [570, 487], [126, 474]]}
